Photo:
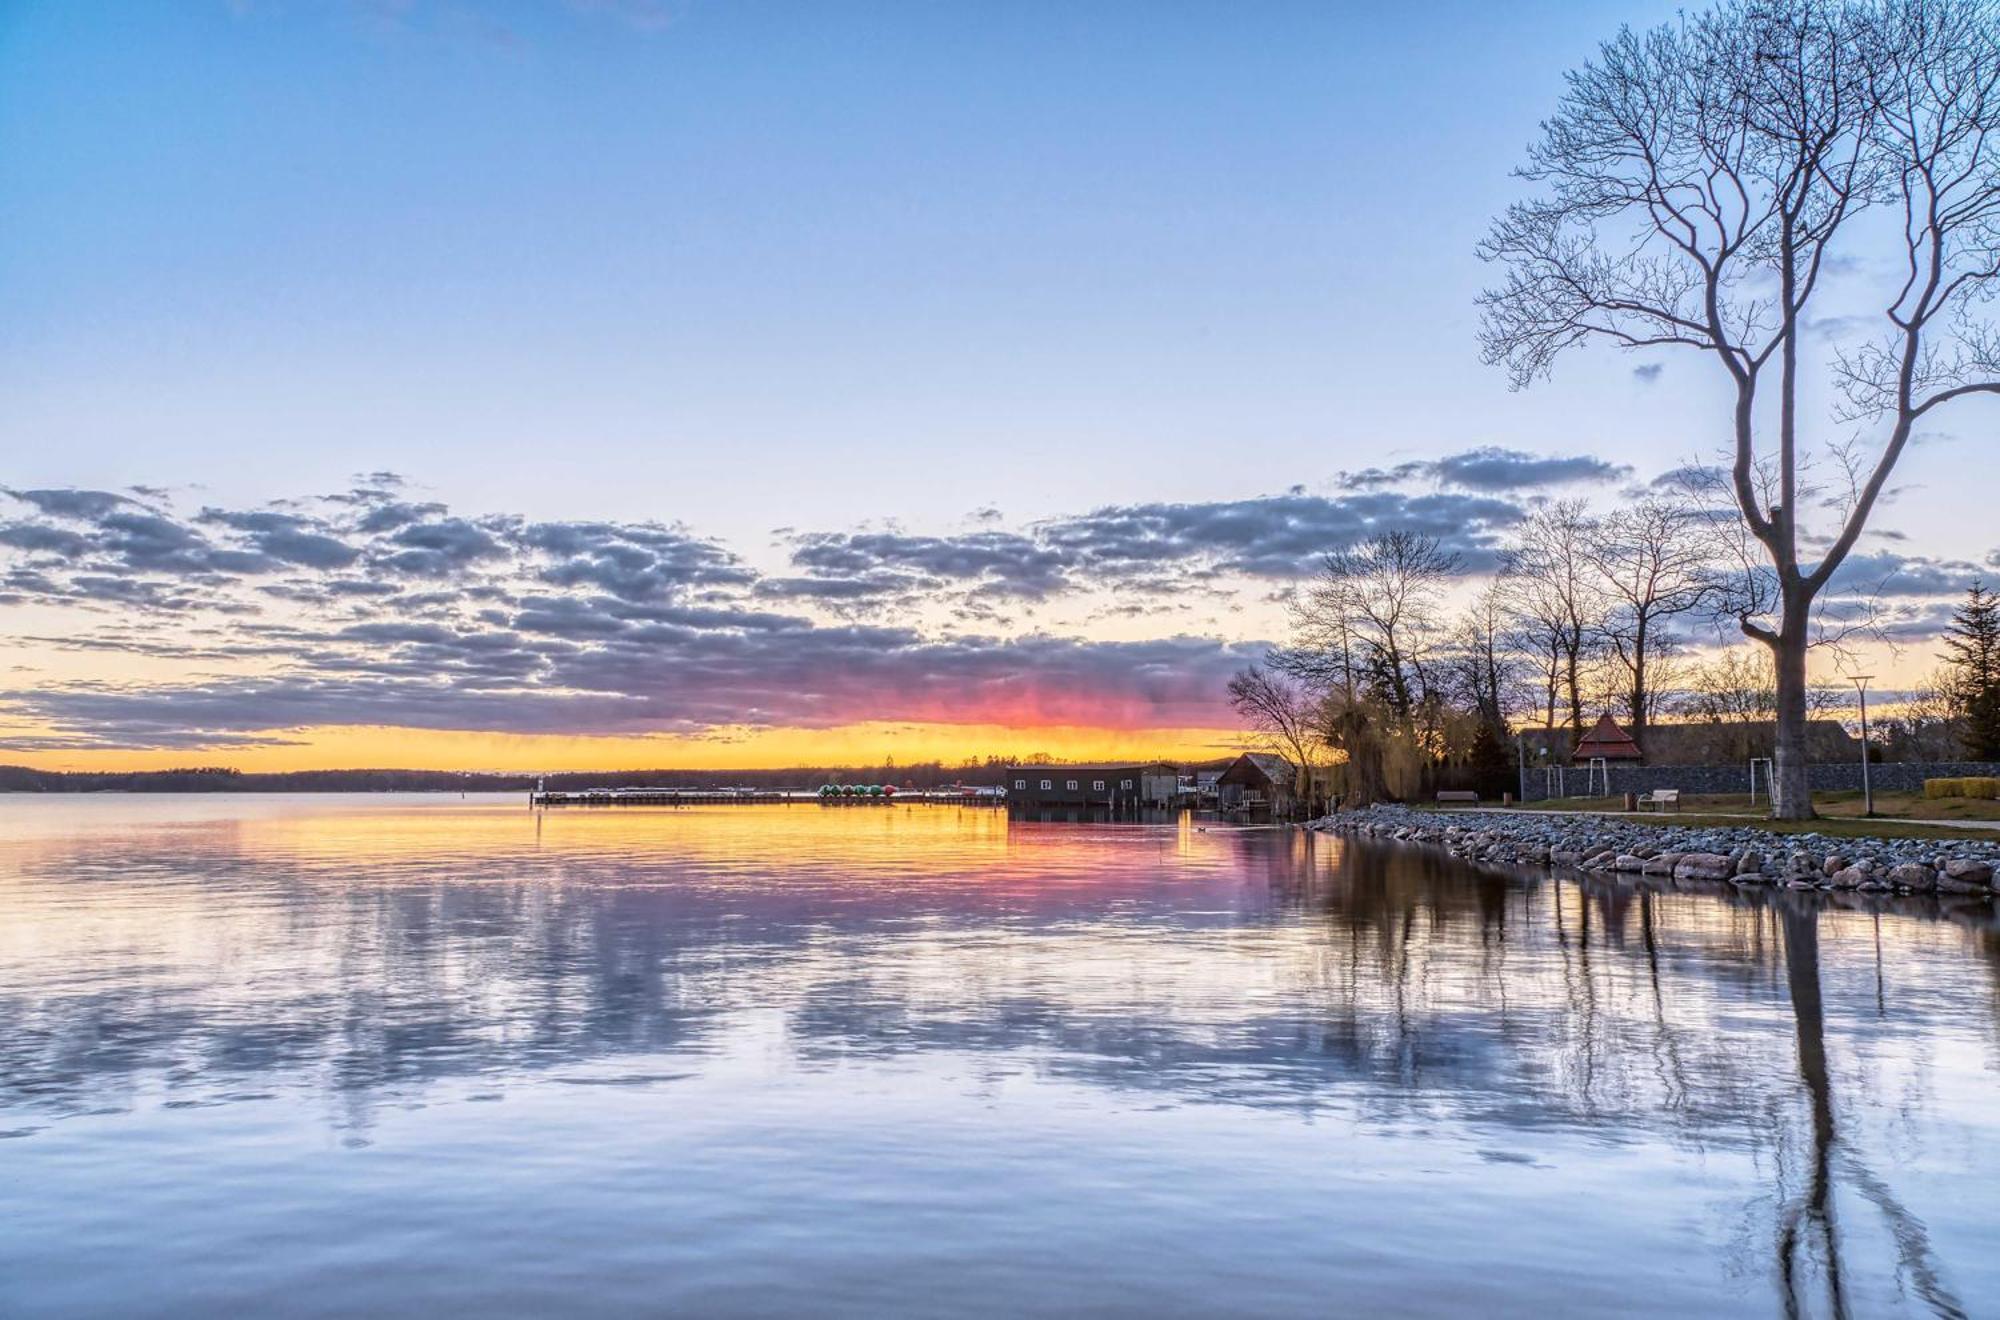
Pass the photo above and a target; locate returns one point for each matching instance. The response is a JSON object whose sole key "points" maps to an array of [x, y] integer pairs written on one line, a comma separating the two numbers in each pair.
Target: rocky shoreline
{"points": [[1739, 855]]}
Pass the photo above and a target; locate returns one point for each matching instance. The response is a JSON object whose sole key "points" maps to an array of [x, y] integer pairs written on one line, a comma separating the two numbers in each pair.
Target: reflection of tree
{"points": [[1672, 1073], [1391, 984], [1810, 1217]]}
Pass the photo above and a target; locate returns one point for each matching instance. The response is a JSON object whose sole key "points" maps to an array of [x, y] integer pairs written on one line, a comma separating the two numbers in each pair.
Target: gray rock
{"points": [[1704, 866], [1979, 874], [1913, 875]]}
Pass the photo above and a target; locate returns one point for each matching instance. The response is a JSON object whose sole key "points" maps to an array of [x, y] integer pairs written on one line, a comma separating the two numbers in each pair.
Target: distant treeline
{"points": [[207, 779]]}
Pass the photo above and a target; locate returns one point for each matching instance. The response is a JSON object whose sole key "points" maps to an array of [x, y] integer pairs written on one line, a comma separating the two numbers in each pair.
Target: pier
{"points": [[708, 797]]}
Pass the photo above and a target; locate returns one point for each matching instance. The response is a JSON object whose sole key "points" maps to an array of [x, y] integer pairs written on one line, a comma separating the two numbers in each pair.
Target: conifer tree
{"points": [[1973, 645]]}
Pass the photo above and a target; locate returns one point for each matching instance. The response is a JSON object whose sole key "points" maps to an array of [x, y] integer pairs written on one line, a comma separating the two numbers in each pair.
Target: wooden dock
{"points": [[709, 797], [661, 797]]}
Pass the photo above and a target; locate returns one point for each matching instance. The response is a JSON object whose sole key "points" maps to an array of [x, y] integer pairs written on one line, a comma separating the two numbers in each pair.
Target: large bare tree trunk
{"points": [[1791, 790]]}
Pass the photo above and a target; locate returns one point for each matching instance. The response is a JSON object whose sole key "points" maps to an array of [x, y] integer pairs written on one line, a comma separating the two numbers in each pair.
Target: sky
{"points": [[613, 383]]}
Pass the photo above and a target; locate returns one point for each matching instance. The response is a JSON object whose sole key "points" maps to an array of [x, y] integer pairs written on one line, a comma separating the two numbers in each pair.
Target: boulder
{"points": [[1629, 862], [1913, 875], [1749, 863], [1833, 865], [1849, 877], [1973, 875], [1662, 863], [1704, 866]]}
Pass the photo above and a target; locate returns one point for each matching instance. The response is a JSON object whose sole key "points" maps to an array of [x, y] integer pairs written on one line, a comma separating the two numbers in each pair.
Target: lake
{"points": [[431, 1056]]}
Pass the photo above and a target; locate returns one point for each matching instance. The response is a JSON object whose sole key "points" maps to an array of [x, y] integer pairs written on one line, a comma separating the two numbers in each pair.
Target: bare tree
{"points": [[1655, 559], [1698, 185], [1735, 687], [1550, 586], [1485, 663], [1366, 636], [1927, 724], [1285, 712], [1371, 619]]}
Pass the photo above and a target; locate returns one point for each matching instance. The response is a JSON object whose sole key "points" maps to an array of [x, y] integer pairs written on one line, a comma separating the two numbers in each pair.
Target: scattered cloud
{"points": [[372, 607], [1890, 575], [1492, 470]]}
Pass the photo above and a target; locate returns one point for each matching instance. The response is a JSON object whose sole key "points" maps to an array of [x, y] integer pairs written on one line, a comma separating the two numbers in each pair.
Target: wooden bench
{"points": [[1660, 799], [1456, 795]]}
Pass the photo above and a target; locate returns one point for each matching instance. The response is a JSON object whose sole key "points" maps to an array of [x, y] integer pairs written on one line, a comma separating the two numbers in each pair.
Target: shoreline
{"points": [[1742, 855]]}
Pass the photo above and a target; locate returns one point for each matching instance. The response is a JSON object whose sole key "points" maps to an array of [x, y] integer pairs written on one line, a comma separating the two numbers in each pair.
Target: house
{"points": [[1117, 784], [1609, 743], [1265, 781]]}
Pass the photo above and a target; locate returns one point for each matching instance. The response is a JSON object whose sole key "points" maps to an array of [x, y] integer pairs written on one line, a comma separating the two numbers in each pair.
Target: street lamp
{"points": [[1867, 791]]}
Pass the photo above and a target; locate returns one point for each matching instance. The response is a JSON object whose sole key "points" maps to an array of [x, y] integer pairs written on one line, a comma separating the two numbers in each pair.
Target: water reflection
{"points": [[1829, 1064]]}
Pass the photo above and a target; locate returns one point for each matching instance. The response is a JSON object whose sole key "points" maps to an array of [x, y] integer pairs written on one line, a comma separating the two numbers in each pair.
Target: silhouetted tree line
{"points": [[987, 771], [1586, 614]]}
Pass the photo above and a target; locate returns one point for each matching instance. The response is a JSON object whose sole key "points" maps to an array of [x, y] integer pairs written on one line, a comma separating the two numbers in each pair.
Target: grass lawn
{"points": [[1909, 806]]}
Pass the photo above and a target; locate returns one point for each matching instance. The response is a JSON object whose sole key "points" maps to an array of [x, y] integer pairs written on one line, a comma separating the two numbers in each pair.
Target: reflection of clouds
{"points": [[362, 954], [355, 958]]}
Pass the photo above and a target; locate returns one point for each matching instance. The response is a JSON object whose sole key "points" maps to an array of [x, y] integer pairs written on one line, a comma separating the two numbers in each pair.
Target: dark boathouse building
{"points": [[1120, 785]]}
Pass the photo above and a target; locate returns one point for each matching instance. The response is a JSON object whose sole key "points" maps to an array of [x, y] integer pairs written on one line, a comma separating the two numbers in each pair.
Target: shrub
{"points": [[1942, 788]]}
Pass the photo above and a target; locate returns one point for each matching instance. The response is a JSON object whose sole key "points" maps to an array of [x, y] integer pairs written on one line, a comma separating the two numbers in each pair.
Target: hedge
{"points": [[1983, 786]]}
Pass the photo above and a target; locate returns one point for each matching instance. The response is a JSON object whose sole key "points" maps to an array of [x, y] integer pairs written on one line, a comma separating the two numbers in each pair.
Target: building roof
{"points": [[1270, 766], [1608, 741]]}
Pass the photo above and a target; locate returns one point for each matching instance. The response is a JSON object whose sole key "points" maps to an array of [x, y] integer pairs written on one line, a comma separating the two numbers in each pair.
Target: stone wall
{"points": [[1887, 776]]}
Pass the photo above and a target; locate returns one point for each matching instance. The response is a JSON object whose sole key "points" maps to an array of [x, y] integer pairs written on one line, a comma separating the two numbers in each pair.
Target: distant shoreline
{"points": [[23, 780]]}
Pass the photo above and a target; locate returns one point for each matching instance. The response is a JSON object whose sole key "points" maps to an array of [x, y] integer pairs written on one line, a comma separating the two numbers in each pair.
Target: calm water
{"points": [[340, 1056]]}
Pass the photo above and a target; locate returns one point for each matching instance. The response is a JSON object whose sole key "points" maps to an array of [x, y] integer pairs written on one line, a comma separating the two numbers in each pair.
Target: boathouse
{"points": [[1265, 781], [1118, 784]]}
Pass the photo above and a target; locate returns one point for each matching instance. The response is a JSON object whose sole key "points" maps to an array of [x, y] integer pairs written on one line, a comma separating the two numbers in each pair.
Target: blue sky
{"points": [[597, 258], [1011, 349]]}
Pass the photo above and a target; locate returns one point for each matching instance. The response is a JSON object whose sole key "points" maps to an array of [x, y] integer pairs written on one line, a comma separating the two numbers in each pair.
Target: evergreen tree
{"points": [[1973, 645], [1491, 765]]}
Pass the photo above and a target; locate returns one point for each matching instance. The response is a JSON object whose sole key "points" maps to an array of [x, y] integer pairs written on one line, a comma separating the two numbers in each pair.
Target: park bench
{"points": [[1660, 799], [1457, 795]]}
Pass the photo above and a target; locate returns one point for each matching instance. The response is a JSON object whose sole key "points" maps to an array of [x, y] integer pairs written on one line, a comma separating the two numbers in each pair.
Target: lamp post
{"points": [[1867, 790]]}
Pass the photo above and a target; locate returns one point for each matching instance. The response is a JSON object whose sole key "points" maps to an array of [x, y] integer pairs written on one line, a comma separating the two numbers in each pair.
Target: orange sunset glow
{"points": [[863, 743]]}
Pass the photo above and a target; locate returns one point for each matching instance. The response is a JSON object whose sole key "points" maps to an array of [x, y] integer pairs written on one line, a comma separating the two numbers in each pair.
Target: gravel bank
{"points": [[1739, 854]]}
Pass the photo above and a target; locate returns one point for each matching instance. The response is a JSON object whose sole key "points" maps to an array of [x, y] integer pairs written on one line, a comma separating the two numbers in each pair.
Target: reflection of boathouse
{"points": [[1118, 785]]}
